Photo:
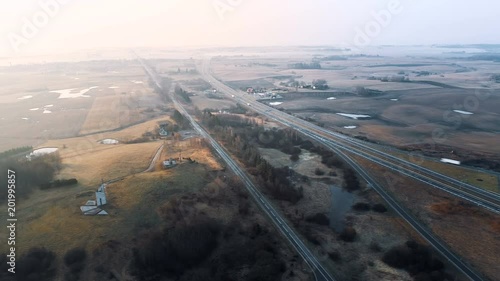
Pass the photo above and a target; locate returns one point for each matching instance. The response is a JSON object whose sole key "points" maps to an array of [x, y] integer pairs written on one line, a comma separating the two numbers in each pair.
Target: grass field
{"points": [[52, 219]]}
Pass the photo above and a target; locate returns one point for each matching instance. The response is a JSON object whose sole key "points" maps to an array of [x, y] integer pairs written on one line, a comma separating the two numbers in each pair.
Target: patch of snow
{"points": [[306, 156], [394, 99], [25, 118], [114, 87], [354, 116], [350, 127], [463, 112], [275, 103], [25, 97], [34, 109], [331, 98], [45, 111], [108, 141], [71, 94], [450, 161], [137, 82], [48, 105], [41, 151]]}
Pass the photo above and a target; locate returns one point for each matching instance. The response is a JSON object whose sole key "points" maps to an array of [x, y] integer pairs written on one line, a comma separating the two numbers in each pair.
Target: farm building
{"points": [[92, 207]]}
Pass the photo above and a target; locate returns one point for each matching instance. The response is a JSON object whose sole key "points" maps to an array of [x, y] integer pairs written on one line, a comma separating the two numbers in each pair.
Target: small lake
{"points": [[341, 203]]}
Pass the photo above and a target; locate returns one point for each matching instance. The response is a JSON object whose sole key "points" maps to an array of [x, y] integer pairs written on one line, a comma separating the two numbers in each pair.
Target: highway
{"points": [[320, 273], [478, 196], [341, 144]]}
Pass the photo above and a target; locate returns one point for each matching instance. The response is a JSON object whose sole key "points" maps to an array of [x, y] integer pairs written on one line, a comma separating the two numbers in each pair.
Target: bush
{"points": [[348, 235], [361, 206], [351, 181], [59, 183], [332, 174], [38, 264], [74, 259], [294, 157], [335, 256], [76, 255], [417, 260], [319, 172], [375, 247], [319, 218], [379, 208]]}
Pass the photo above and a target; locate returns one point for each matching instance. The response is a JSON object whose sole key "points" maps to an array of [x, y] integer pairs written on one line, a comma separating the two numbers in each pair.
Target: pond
{"points": [[341, 203]]}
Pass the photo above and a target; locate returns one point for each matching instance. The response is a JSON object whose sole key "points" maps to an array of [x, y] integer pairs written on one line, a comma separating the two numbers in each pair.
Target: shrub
{"points": [[74, 259], [351, 181], [374, 246], [59, 183], [294, 157], [319, 172], [348, 234], [417, 260], [38, 264], [361, 206], [379, 208], [319, 218], [76, 255], [335, 256]]}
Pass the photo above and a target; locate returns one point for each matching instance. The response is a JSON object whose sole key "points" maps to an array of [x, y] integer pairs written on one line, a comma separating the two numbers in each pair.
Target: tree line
{"points": [[241, 137], [30, 174]]}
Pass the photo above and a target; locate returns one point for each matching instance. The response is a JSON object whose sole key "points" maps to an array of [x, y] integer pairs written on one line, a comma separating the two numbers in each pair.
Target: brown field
{"points": [[105, 109], [107, 164], [468, 230]]}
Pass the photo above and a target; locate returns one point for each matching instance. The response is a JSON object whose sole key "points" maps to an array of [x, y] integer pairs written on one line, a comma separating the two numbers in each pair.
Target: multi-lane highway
{"points": [[320, 273], [478, 196], [341, 144]]}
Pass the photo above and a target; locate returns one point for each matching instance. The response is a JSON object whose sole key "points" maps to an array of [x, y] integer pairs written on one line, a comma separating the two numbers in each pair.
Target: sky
{"points": [[53, 26]]}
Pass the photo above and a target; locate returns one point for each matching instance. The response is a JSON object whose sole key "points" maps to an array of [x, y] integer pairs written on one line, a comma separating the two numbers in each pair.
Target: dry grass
{"points": [[469, 233], [113, 162]]}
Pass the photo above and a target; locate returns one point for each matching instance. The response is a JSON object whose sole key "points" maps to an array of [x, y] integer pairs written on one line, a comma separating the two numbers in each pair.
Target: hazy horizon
{"points": [[56, 26]]}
